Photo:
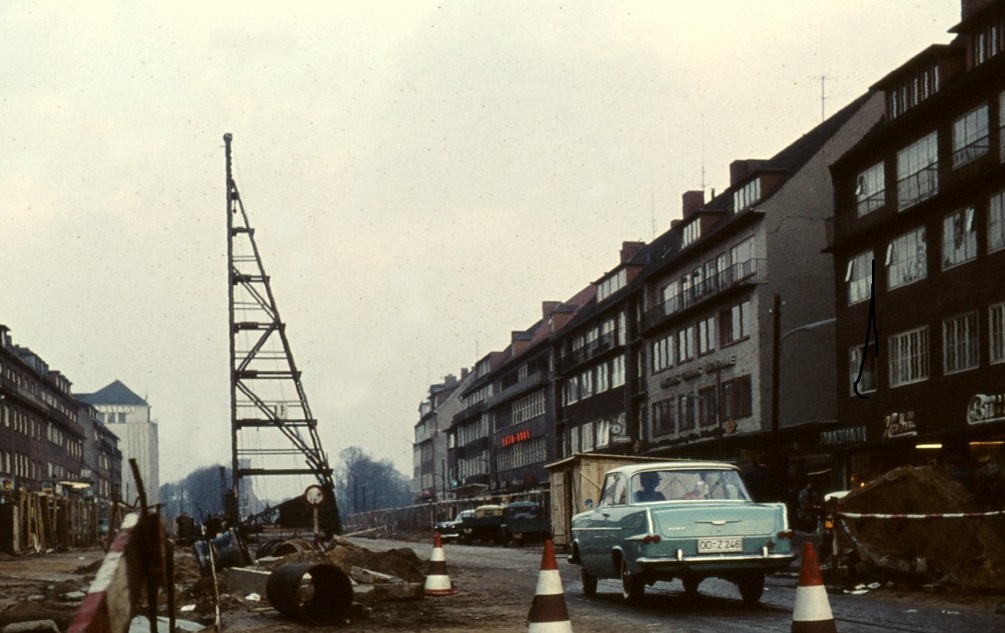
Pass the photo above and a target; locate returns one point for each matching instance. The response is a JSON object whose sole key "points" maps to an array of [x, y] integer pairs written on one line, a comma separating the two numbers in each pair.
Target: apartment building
{"points": [[919, 250], [430, 479], [738, 323]]}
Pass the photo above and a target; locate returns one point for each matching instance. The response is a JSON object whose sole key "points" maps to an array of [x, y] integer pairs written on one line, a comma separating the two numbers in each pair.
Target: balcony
{"points": [[745, 273], [593, 349], [917, 187]]}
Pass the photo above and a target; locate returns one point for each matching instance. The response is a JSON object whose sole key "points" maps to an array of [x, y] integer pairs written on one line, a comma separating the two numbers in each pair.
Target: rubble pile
{"points": [[403, 562], [965, 551]]}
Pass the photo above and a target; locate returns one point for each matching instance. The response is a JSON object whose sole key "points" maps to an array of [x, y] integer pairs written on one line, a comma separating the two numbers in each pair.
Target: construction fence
{"points": [[40, 521]]}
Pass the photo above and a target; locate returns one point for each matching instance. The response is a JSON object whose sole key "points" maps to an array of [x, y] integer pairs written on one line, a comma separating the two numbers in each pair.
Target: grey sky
{"points": [[421, 175]]}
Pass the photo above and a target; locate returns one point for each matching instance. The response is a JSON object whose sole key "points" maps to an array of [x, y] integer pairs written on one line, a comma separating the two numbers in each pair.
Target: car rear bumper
{"points": [[716, 562]]}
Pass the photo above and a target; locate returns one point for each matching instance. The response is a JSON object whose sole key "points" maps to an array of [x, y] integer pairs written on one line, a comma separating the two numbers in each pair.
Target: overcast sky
{"points": [[421, 176]]}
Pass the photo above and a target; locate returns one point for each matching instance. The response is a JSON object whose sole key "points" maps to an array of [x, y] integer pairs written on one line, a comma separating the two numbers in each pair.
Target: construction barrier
{"points": [[42, 521]]}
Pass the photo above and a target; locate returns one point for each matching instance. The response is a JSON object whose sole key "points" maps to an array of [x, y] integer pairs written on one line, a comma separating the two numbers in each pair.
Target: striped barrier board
{"points": [[107, 607]]}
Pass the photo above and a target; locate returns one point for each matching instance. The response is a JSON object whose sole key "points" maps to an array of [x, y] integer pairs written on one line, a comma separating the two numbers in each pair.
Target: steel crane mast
{"points": [[273, 430]]}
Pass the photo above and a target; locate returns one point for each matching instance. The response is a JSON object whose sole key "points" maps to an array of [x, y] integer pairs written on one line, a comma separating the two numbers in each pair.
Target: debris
{"points": [[33, 626]]}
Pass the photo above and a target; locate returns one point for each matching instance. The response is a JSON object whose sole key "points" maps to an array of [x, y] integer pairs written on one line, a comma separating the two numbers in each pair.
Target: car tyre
{"points": [[633, 586], [589, 582], [751, 587]]}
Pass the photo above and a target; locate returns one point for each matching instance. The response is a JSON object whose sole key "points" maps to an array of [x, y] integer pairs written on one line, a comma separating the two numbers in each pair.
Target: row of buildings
{"points": [[839, 307], [61, 443]]}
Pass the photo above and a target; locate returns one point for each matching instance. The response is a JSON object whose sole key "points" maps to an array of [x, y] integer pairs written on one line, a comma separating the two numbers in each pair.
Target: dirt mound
{"points": [[969, 551], [403, 562]]}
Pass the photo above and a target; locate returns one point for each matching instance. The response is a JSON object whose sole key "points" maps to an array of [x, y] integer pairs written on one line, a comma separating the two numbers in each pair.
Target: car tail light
{"points": [[651, 538], [786, 534]]}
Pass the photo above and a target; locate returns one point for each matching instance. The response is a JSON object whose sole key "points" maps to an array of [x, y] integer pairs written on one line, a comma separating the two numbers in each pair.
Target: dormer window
{"points": [[691, 233], [612, 284], [989, 41], [747, 196], [912, 90]]}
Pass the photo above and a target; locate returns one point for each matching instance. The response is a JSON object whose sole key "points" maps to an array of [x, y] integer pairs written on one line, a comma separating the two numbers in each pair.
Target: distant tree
{"points": [[200, 493], [363, 484]]}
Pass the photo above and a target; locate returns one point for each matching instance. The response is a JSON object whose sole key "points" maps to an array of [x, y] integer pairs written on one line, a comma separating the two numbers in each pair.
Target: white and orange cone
{"points": [[548, 613], [437, 580], [812, 611]]}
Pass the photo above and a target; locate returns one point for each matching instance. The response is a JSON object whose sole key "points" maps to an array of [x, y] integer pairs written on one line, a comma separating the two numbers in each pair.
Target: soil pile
{"points": [[968, 551]]}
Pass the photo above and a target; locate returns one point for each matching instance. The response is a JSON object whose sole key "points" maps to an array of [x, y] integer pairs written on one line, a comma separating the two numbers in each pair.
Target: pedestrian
{"points": [[808, 500], [761, 481]]}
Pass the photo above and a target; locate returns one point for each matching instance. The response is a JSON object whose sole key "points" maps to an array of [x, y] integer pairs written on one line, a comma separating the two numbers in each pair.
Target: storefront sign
{"points": [[842, 437], [897, 425], [513, 438], [984, 408], [115, 408]]}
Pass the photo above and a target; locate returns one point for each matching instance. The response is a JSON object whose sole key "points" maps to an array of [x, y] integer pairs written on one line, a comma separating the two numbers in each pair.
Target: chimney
{"points": [[520, 342], [739, 170], [693, 201], [464, 373], [971, 7], [450, 380], [547, 307], [630, 250]]}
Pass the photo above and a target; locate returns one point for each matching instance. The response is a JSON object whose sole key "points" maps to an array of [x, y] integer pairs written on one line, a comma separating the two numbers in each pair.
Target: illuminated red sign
{"points": [[513, 438]]}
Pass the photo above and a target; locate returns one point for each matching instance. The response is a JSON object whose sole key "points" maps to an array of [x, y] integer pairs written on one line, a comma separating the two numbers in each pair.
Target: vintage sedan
{"points": [[679, 519]]}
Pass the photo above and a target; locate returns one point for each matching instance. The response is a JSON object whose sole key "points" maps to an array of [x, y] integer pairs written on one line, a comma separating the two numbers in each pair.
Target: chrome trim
{"points": [[714, 559]]}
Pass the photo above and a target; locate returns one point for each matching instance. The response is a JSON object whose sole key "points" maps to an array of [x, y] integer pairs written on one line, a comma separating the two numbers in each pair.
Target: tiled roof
{"points": [[115, 393]]}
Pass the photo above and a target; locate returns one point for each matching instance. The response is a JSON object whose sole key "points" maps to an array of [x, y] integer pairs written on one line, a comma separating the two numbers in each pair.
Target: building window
{"points": [[747, 196], [917, 171], [671, 297], [861, 375], [996, 222], [685, 344], [662, 353], [691, 233], [996, 325], [870, 189], [617, 371], [959, 238], [707, 406], [909, 357], [612, 284], [906, 259], [736, 398], [742, 256], [686, 412], [959, 343], [858, 276], [706, 335], [970, 136], [735, 323], [663, 417]]}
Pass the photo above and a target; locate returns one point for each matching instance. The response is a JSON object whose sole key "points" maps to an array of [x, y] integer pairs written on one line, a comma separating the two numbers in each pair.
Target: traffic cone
{"points": [[437, 581], [548, 613], [812, 611]]}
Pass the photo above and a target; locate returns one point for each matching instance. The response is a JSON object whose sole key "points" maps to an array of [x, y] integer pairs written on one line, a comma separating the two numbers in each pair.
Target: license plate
{"points": [[720, 545]]}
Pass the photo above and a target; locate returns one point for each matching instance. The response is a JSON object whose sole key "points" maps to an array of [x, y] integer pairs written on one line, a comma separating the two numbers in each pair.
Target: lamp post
{"points": [[776, 354]]}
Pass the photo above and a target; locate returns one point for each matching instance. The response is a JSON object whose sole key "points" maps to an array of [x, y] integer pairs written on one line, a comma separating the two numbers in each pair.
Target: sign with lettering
{"points": [[984, 408], [513, 438], [897, 425], [115, 408], [843, 437]]}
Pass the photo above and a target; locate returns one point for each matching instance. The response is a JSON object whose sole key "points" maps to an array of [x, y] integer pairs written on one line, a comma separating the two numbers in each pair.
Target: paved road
{"points": [[718, 607]]}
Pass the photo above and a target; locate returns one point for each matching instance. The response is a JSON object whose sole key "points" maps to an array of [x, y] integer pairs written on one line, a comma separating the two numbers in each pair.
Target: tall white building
{"points": [[128, 416]]}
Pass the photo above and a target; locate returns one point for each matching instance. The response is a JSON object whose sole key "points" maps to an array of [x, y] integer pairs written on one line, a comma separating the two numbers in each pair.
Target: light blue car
{"points": [[680, 519]]}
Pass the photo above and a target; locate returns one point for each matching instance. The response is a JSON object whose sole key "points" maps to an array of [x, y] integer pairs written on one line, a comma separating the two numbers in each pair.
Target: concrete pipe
{"points": [[326, 599]]}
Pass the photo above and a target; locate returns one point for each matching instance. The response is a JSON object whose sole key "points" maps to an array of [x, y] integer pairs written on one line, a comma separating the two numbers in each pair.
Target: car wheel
{"points": [[751, 587], [589, 582], [690, 584], [632, 585]]}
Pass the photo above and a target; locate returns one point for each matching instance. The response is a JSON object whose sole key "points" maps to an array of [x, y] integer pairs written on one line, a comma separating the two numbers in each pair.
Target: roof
{"points": [[679, 464], [115, 393]]}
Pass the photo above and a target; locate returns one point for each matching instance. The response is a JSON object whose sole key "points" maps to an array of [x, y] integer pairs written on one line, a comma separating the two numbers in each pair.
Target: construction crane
{"points": [[270, 419]]}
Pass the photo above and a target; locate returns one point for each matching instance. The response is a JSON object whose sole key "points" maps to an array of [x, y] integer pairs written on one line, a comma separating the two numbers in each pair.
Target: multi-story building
{"points": [[127, 415], [41, 441], [919, 250], [738, 321], [597, 369], [430, 481], [102, 457], [504, 433]]}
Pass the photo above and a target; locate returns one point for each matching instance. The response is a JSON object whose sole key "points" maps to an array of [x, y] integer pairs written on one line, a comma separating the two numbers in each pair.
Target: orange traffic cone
{"points": [[437, 581], [548, 613], [812, 611]]}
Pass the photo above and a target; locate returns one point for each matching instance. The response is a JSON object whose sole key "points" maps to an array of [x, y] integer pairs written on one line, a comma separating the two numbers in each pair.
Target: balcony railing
{"points": [[971, 152], [593, 349], [751, 271], [917, 187]]}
